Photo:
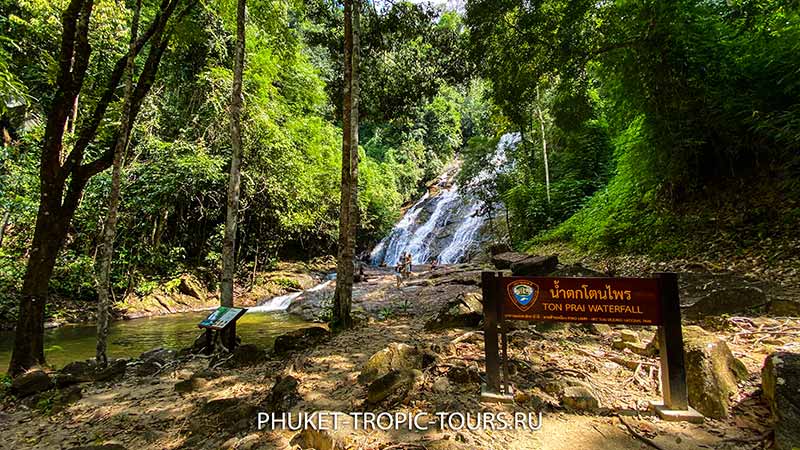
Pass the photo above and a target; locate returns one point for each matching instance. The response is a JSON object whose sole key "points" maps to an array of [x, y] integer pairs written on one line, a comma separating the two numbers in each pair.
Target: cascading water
{"points": [[445, 224], [281, 302]]}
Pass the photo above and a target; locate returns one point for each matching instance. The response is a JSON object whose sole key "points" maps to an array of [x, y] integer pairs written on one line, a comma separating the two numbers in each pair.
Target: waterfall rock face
{"points": [[446, 224]]}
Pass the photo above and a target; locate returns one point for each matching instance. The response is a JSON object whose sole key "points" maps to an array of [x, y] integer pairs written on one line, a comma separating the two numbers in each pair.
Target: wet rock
{"points": [[245, 355], [395, 356], [393, 387], [31, 382], [300, 340], [712, 372], [726, 301], [464, 311], [191, 287], [579, 398], [780, 382], [505, 260], [535, 266], [342, 438], [283, 396]]}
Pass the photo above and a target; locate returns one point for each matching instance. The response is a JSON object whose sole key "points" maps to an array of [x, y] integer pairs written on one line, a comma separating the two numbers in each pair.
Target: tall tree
{"points": [[62, 183], [348, 219], [229, 242], [110, 226]]}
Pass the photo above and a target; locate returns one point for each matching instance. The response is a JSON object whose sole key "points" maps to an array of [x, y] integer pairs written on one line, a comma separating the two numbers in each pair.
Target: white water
{"points": [[281, 302], [450, 209]]}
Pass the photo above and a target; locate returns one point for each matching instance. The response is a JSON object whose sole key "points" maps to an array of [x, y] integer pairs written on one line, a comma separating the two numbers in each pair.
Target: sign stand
{"points": [[626, 301], [675, 406], [221, 319]]}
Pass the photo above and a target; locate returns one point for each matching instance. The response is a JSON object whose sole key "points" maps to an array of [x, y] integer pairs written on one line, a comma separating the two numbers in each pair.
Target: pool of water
{"points": [[130, 338]]}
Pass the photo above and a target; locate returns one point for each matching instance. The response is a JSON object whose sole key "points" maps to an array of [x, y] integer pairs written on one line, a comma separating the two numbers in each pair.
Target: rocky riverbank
{"points": [[420, 349]]}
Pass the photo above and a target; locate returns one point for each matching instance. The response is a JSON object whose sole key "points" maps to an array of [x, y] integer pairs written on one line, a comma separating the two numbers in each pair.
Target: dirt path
{"points": [[147, 412]]}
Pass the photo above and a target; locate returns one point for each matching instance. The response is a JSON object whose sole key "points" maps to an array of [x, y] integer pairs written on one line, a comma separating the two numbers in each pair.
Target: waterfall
{"points": [[444, 225], [281, 302]]}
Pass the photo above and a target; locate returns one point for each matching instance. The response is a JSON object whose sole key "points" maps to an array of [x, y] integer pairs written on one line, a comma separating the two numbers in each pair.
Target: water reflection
{"points": [[132, 337]]}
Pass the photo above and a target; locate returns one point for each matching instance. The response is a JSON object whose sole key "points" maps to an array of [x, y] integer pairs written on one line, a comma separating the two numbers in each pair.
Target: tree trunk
{"points": [[348, 218], [544, 144], [4, 226], [110, 227], [62, 184], [229, 242]]}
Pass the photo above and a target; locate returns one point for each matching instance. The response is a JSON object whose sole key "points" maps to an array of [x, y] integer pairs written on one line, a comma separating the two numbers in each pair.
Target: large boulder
{"points": [[726, 301], [780, 382], [535, 266], [395, 356], [87, 371], [464, 311], [393, 388], [31, 382], [712, 372], [506, 259], [191, 287], [300, 340]]}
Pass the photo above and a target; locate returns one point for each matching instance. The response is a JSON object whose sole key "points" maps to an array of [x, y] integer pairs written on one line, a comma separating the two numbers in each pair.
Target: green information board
{"points": [[222, 317]]}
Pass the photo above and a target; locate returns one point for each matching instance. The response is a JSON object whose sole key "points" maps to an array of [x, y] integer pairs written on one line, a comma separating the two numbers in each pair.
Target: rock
{"points": [[464, 374], [230, 413], [535, 266], [498, 248], [600, 329], [191, 287], [393, 387], [69, 395], [30, 382], [464, 311], [107, 446], [153, 360], [441, 385], [726, 301], [245, 355], [395, 356], [446, 444], [300, 340], [190, 385], [580, 398], [86, 371], [342, 438], [780, 382], [506, 259], [283, 396], [784, 307], [712, 372], [628, 335]]}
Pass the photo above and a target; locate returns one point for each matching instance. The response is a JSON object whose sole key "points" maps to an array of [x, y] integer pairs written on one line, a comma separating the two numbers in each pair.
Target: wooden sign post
{"points": [[623, 301]]}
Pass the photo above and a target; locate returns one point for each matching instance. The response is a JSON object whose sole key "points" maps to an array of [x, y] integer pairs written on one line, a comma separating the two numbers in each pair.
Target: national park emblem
{"points": [[524, 293]]}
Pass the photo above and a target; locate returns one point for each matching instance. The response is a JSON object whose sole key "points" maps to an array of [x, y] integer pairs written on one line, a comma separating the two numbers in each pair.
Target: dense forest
{"points": [[643, 127]]}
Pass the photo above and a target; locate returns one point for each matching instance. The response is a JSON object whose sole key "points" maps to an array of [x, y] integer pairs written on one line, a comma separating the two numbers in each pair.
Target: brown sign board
{"points": [[629, 301]]}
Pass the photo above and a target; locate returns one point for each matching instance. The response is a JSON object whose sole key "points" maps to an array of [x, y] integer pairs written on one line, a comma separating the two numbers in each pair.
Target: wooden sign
{"points": [[625, 301], [221, 318], [631, 301]]}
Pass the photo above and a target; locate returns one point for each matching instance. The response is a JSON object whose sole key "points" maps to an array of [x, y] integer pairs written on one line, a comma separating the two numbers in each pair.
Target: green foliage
{"points": [[287, 282]]}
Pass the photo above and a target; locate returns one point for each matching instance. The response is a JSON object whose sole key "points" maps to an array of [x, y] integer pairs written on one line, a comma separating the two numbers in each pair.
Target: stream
{"points": [[129, 338]]}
